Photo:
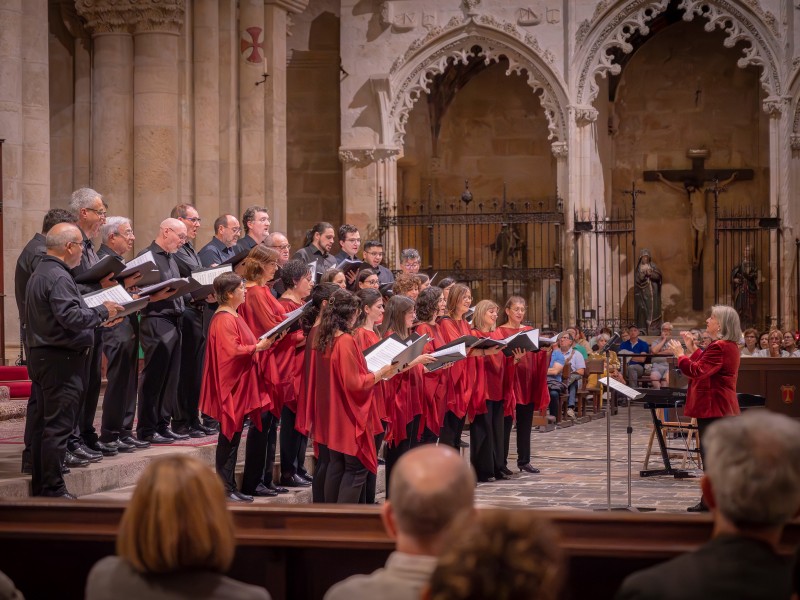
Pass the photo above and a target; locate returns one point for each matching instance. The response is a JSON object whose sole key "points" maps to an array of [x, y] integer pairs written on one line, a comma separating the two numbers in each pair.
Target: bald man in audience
{"points": [[752, 486], [431, 487]]}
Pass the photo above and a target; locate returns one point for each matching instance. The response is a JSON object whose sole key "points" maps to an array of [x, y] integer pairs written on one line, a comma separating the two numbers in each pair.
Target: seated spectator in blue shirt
{"points": [[634, 346]]}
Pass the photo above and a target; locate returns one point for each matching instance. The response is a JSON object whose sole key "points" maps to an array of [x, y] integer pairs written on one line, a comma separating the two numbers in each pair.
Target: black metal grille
{"points": [[500, 247], [737, 233]]}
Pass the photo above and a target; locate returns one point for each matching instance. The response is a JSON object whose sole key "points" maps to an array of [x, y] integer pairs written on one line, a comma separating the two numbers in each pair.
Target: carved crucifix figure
{"points": [[692, 183]]}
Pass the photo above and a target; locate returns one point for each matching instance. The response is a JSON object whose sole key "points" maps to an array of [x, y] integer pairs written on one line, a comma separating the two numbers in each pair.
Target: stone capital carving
{"points": [[775, 107], [584, 115], [361, 157], [159, 15], [290, 6], [107, 16], [559, 149]]}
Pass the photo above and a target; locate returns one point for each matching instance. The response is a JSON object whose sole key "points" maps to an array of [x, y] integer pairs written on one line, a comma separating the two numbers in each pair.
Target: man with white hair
{"points": [[280, 243], [161, 343], [121, 349], [430, 488], [752, 486]]}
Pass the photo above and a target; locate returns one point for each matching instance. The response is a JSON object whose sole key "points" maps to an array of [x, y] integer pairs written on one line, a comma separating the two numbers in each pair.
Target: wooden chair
{"points": [[686, 428], [594, 366]]}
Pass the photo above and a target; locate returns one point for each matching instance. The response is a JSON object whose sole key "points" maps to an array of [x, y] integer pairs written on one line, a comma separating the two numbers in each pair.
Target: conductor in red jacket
{"points": [[712, 374]]}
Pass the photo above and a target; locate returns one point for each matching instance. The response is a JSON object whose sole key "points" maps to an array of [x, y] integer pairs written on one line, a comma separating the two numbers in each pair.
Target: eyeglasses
{"points": [[234, 229], [194, 220], [353, 241], [181, 236], [371, 281], [412, 263], [98, 212], [78, 243], [126, 234], [372, 253], [283, 247]]}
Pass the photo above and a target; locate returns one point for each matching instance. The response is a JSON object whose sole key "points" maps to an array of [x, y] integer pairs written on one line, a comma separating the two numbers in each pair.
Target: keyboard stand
{"points": [[662, 444]]}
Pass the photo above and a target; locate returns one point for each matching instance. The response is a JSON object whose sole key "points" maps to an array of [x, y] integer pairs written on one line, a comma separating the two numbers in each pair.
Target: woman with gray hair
{"points": [[712, 373]]}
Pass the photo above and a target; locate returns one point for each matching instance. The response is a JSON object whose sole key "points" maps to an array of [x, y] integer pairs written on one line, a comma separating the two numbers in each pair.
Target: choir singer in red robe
{"points": [[712, 374], [345, 385], [233, 386]]}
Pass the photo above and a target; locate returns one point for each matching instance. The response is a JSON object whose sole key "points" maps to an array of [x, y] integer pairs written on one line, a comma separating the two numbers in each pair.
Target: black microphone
{"points": [[614, 339]]}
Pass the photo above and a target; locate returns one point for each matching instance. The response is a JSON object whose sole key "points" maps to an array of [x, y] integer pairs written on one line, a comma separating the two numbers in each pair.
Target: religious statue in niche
{"points": [[509, 248], [744, 284], [647, 294]]}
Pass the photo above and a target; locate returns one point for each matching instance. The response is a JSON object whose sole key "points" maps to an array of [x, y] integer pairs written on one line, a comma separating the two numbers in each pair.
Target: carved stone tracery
{"points": [[131, 16], [411, 74], [609, 30], [359, 157]]}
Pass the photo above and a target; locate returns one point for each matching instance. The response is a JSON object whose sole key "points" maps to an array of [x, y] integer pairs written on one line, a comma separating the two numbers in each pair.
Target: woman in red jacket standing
{"points": [[712, 373]]}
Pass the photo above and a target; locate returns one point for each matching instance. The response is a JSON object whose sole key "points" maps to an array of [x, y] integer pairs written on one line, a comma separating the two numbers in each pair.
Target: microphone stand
{"points": [[614, 339]]}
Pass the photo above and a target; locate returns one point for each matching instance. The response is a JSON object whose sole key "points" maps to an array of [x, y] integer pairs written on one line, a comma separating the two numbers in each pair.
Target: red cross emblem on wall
{"points": [[787, 394], [251, 45]]}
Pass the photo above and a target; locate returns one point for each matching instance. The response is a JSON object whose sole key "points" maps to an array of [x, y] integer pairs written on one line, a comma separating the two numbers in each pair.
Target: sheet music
{"points": [[113, 294], [207, 276], [288, 321], [140, 260], [623, 389], [458, 349], [383, 354]]}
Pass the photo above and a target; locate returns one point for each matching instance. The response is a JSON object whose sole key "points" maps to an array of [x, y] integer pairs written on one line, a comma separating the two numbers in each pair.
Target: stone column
{"points": [[156, 137], [275, 28], [206, 110], [112, 101], [252, 65], [25, 125]]}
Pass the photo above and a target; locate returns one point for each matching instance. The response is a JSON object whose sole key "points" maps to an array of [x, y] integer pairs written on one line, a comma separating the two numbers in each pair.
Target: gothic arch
{"points": [[412, 73], [615, 21]]}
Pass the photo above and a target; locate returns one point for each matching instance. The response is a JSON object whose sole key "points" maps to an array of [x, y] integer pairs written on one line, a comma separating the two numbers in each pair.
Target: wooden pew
{"points": [[298, 552], [777, 379]]}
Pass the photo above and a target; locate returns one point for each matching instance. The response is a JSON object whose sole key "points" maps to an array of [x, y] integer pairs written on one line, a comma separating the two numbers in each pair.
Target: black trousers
{"points": [[451, 430], [259, 453], [293, 445], [30, 411], [494, 415], [394, 450], [481, 450], [158, 385], [508, 425], [227, 451], [555, 395], [320, 474], [60, 377], [524, 426], [88, 408], [372, 478], [193, 347], [702, 427], [121, 348], [345, 480]]}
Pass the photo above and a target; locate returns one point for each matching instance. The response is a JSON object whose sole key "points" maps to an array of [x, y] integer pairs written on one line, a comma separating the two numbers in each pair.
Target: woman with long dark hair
{"points": [[345, 384], [712, 374], [430, 304], [233, 385]]}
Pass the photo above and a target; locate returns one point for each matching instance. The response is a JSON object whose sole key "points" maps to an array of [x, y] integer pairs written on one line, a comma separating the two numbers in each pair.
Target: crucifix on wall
{"points": [[693, 183]]}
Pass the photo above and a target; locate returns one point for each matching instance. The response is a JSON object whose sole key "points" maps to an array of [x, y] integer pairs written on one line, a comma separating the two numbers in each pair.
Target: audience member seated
{"points": [[775, 345], [613, 362], [750, 347], [500, 554], [8, 590], [790, 344], [763, 340], [659, 368], [431, 486], [634, 346], [752, 486], [175, 539]]}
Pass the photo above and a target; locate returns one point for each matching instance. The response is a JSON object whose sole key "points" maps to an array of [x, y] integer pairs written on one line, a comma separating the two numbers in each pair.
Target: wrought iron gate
{"points": [[746, 248], [605, 257], [499, 247]]}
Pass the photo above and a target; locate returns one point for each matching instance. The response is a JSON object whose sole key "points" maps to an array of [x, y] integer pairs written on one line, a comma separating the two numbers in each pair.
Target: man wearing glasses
{"points": [[255, 223], [194, 325], [373, 255], [350, 242], [279, 242], [222, 245], [161, 342]]}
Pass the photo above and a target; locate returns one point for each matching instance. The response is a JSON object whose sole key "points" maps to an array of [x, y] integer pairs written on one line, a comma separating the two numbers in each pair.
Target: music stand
{"points": [[631, 394]]}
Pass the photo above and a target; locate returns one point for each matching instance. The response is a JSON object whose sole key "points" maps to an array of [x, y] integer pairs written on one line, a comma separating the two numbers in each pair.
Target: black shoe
{"points": [[306, 476], [500, 476], [128, 439], [27, 469], [157, 438], [263, 491], [63, 496], [294, 481], [528, 468], [381, 461], [109, 449], [700, 507], [70, 460], [462, 444], [195, 432], [65, 470], [210, 428], [236, 496], [124, 446], [86, 454], [486, 479], [276, 488], [168, 433], [506, 471]]}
